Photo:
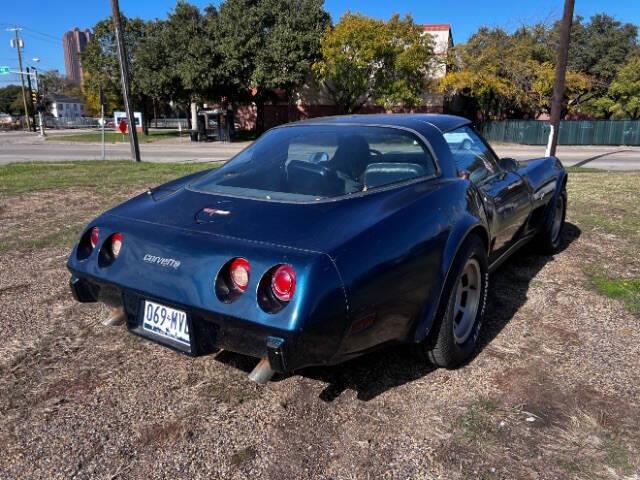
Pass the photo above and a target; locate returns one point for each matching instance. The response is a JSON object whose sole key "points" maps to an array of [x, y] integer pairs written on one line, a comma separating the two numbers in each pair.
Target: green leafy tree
{"points": [[600, 47], [189, 64], [367, 60], [100, 63], [268, 47], [511, 75], [624, 91], [11, 100]]}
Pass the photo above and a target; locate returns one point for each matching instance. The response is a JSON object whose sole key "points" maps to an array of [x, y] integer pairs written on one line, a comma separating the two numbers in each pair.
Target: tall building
{"points": [[75, 42]]}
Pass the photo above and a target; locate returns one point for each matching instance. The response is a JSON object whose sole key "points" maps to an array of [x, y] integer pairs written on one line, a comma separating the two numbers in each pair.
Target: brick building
{"points": [[74, 43]]}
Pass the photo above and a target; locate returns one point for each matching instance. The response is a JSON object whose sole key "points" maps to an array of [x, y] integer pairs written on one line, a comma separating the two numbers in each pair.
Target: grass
{"points": [[606, 202], [20, 178], [477, 423], [70, 193], [625, 289], [113, 137]]}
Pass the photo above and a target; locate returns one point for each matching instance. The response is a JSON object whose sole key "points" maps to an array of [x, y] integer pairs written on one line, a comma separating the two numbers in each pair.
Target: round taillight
{"points": [[283, 283], [116, 244], [239, 272], [95, 236]]}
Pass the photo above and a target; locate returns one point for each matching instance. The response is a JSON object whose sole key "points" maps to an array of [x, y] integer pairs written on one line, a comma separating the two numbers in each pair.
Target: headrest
{"points": [[308, 178]]}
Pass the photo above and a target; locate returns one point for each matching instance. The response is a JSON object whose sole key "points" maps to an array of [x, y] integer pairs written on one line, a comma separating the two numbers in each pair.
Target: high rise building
{"points": [[74, 42]]}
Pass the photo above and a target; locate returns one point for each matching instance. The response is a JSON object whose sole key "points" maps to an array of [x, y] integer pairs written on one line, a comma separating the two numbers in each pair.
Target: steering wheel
{"points": [[374, 151]]}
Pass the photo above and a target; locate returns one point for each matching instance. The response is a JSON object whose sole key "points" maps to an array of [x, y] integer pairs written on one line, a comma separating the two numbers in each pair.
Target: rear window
{"points": [[315, 162]]}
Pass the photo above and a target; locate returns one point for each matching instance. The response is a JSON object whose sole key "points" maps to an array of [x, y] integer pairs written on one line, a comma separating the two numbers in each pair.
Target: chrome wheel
{"points": [[467, 299], [558, 217]]}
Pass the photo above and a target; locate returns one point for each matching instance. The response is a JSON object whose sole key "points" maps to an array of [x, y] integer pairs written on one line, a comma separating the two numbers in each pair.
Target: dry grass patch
{"points": [[553, 394]]}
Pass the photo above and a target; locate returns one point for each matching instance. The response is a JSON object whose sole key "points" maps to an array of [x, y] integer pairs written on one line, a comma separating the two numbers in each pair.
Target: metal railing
{"points": [[169, 123], [71, 122]]}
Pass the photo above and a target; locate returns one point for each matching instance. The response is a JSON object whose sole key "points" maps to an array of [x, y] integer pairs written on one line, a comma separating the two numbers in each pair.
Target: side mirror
{"points": [[509, 164]]}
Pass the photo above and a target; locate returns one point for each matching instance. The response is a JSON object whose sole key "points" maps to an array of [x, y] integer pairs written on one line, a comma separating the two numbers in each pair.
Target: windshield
{"points": [[314, 162]]}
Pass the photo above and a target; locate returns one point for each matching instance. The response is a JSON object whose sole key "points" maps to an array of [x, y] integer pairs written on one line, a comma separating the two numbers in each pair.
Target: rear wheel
{"points": [[550, 239], [454, 338]]}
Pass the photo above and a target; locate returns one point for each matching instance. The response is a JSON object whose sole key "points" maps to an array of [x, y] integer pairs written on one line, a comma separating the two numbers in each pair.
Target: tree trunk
{"points": [[259, 115], [155, 113]]}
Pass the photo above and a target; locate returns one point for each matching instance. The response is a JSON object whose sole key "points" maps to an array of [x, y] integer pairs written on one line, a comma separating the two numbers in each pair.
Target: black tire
{"points": [[551, 236], [442, 347]]}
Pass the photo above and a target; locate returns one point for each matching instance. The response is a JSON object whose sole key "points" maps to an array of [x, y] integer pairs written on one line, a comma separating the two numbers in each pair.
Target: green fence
{"points": [[572, 132]]}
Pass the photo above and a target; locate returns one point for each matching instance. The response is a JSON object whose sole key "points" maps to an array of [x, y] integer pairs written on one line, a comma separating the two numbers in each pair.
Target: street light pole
{"points": [[124, 77], [18, 46], [561, 70]]}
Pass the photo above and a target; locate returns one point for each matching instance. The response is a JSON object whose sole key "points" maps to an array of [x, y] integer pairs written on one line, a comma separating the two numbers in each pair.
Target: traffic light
{"points": [[35, 98]]}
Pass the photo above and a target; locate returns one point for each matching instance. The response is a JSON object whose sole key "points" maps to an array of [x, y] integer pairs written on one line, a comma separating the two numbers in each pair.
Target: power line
{"points": [[41, 39], [58, 39]]}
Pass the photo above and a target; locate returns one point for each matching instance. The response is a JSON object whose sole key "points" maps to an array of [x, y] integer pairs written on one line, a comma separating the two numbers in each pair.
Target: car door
{"points": [[506, 195]]}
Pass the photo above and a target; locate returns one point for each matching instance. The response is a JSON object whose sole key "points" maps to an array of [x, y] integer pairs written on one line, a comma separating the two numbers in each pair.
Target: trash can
{"points": [[194, 135]]}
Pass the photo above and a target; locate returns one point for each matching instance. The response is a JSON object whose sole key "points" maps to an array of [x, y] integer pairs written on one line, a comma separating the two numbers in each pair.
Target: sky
{"points": [[44, 21]]}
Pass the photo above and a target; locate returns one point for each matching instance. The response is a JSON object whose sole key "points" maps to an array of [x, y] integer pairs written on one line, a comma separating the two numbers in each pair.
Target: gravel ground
{"points": [[553, 393]]}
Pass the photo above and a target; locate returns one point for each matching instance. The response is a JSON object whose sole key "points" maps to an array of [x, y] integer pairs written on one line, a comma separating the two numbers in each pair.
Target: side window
{"points": [[471, 154], [399, 147]]}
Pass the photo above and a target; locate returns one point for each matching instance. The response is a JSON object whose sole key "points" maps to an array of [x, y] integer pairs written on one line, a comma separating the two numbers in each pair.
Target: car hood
{"points": [[319, 227]]}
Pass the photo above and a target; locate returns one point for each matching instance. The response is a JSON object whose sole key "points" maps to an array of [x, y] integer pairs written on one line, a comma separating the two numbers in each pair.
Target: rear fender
{"points": [[471, 222], [547, 177]]}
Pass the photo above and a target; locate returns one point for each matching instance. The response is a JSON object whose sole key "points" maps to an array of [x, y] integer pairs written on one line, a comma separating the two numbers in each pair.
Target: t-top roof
{"points": [[444, 123]]}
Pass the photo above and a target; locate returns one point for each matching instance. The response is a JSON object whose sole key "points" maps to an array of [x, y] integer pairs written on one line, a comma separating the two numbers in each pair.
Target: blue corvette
{"points": [[323, 240]]}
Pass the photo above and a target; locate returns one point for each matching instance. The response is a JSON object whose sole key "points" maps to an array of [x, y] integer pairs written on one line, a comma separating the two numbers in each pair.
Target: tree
{"points": [[155, 74], [624, 91], [11, 100], [101, 67], [600, 47], [268, 47], [364, 60], [53, 83], [187, 40], [511, 75]]}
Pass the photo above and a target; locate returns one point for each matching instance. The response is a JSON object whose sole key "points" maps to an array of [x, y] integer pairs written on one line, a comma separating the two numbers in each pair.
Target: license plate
{"points": [[166, 322]]}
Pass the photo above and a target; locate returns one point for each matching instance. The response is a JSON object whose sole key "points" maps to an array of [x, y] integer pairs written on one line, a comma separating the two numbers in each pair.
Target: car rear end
{"points": [[198, 292]]}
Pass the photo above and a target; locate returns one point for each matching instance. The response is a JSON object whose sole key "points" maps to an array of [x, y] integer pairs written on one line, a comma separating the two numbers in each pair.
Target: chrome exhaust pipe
{"points": [[117, 317], [262, 372]]}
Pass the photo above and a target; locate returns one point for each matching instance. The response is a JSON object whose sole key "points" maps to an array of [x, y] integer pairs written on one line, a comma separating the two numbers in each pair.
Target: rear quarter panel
{"points": [[394, 270]]}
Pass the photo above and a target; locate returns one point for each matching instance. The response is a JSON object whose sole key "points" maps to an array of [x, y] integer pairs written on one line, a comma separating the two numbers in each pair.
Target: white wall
{"points": [[64, 109]]}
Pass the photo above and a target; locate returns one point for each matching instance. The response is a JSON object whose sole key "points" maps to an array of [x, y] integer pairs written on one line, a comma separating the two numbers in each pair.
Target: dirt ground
{"points": [[553, 393]]}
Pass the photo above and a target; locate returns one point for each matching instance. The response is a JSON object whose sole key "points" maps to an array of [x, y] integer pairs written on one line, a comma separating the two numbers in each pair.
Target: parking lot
{"points": [[553, 393]]}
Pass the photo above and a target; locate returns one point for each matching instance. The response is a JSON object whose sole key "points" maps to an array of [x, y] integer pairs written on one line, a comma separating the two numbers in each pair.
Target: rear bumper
{"points": [[209, 331]]}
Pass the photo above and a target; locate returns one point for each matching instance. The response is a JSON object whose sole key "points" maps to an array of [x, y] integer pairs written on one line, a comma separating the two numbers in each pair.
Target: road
{"points": [[25, 147], [603, 157]]}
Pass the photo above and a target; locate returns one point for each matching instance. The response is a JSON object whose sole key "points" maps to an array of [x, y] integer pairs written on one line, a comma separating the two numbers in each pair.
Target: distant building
{"points": [[313, 100], [443, 42], [67, 107], [74, 43]]}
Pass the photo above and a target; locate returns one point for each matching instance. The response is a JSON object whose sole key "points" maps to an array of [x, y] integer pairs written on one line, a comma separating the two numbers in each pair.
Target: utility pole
{"points": [[18, 46], [102, 101], [124, 78], [561, 70]]}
